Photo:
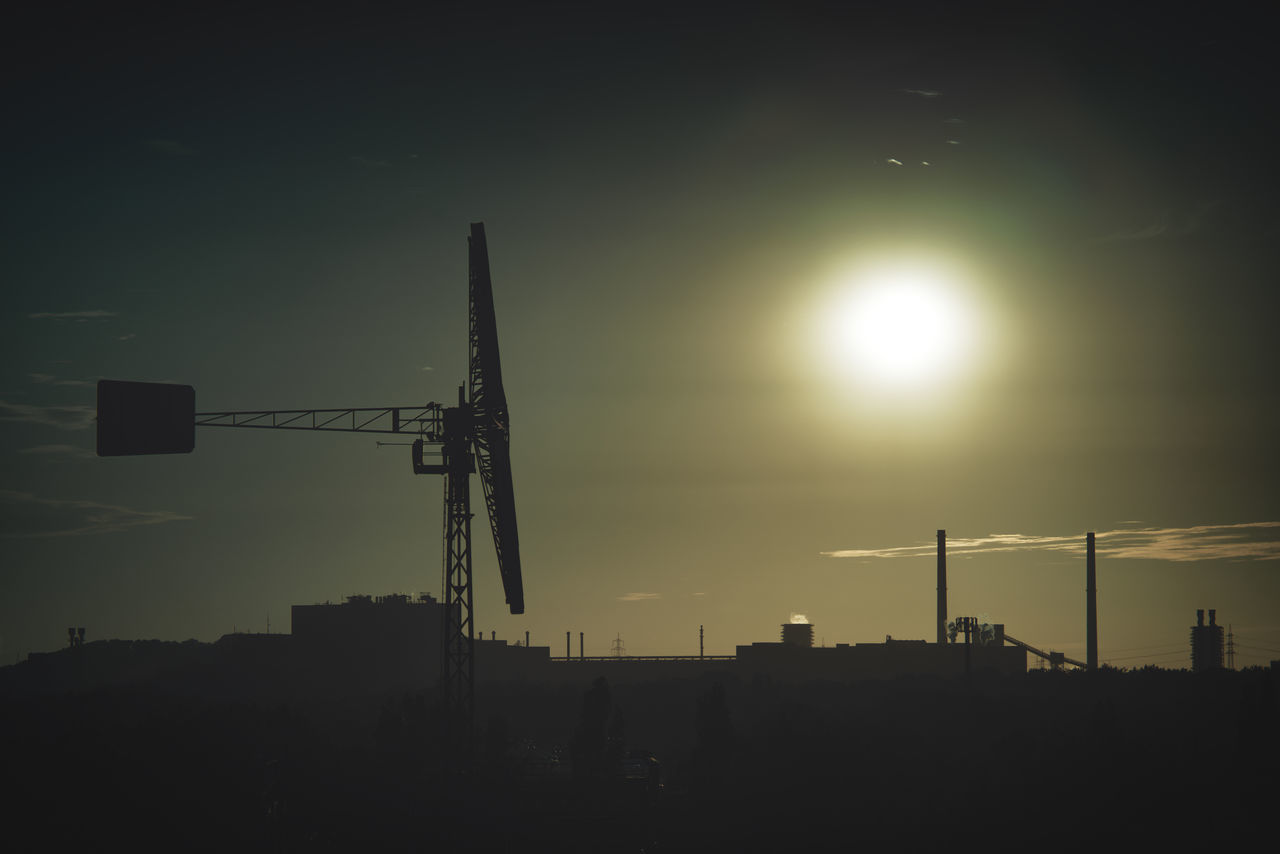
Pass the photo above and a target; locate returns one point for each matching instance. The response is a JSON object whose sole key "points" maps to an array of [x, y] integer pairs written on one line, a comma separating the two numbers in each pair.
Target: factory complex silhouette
{"points": [[390, 644]]}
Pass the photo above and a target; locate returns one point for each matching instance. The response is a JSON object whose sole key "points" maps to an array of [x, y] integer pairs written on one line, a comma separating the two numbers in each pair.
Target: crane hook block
{"points": [[145, 418]]}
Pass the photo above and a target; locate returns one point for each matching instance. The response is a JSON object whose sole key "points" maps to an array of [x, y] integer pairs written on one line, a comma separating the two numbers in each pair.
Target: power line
{"points": [[1124, 649], [1258, 648], [1151, 655]]}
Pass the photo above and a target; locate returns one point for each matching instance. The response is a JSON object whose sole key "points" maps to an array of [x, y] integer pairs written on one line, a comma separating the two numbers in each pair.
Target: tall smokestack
{"points": [[1091, 613], [942, 586], [581, 635]]}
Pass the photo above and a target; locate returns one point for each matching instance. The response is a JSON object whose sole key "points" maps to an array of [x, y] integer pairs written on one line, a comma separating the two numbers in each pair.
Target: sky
{"points": [[683, 209]]}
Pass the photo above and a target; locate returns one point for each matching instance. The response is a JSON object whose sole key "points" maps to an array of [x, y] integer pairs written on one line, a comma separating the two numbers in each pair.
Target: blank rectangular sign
{"points": [[145, 418]]}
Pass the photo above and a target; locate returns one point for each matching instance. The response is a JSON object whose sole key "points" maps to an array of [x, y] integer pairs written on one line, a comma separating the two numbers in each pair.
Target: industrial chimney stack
{"points": [[1091, 612], [1206, 642], [942, 586]]}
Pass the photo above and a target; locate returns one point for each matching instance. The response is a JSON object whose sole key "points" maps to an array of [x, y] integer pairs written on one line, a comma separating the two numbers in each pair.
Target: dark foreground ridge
{"points": [[181, 746]]}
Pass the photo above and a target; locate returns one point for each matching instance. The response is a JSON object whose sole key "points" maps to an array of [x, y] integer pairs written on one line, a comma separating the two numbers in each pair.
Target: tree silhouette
{"points": [[716, 739], [591, 742]]}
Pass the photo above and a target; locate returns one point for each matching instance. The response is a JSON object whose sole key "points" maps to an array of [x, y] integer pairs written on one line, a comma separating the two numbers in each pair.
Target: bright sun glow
{"points": [[899, 325]]}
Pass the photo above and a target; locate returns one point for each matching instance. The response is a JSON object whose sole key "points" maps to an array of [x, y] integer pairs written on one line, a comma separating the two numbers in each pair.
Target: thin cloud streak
{"points": [[73, 417], [50, 379], [639, 597], [59, 450], [1170, 225], [72, 315], [27, 516], [169, 146], [1239, 541]]}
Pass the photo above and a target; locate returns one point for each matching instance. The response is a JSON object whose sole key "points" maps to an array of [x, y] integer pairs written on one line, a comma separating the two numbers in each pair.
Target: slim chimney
{"points": [[942, 586], [568, 650], [581, 654], [699, 641], [1091, 608], [526, 637]]}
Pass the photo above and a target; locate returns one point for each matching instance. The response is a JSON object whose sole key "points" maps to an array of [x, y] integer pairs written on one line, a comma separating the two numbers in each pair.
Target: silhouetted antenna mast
{"points": [[618, 650]]}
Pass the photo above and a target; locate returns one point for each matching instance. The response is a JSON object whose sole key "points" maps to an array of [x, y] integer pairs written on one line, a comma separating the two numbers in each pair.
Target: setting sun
{"points": [[899, 324]]}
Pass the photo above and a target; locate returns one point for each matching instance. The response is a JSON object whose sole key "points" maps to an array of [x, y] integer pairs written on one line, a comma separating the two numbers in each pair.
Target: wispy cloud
{"points": [[127, 337], [639, 597], [923, 93], [1239, 541], [50, 379], [74, 417], [27, 516], [1146, 232], [91, 314], [169, 146], [1169, 224], [74, 451], [1243, 541]]}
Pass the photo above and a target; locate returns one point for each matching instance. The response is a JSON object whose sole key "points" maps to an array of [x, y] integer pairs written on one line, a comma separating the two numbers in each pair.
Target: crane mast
{"points": [[458, 666]]}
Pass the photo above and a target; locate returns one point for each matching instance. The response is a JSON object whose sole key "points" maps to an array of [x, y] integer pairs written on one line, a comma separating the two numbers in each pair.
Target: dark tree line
{"points": [[743, 764]]}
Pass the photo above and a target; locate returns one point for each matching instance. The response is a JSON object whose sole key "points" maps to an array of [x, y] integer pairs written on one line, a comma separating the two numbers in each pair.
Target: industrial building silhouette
{"points": [[1206, 643], [374, 645], [393, 641]]}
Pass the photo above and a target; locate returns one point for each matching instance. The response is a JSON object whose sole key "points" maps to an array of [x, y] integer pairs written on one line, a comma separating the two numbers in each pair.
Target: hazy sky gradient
{"points": [[274, 207]]}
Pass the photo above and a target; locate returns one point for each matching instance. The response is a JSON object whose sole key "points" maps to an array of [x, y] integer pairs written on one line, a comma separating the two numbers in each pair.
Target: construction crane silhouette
{"points": [[475, 435]]}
